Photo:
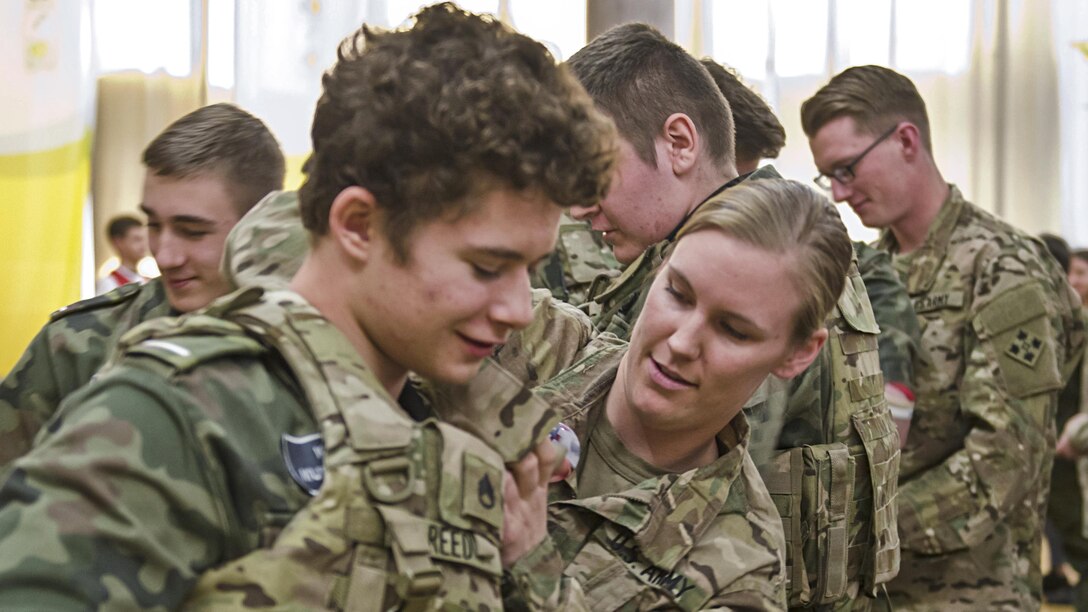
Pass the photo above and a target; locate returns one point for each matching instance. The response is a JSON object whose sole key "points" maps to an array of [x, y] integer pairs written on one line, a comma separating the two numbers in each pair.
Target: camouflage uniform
{"points": [[900, 335], [839, 550], [63, 357], [267, 245], [581, 260], [149, 481], [1000, 333], [78, 338], [706, 538]]}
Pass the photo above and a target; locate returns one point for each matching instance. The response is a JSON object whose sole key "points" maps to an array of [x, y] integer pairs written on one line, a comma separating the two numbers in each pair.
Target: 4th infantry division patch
{"points": [[1025, 348]]}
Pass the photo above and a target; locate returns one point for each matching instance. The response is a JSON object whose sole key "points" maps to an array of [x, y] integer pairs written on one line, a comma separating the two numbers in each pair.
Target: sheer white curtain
{"points": [[987, 69], [1071, 45], [46, 111]]}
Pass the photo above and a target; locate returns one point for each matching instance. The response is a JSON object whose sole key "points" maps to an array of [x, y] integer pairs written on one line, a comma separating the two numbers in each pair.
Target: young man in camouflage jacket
{"points": [[267, 423], [204, 172], [1001, 333]]}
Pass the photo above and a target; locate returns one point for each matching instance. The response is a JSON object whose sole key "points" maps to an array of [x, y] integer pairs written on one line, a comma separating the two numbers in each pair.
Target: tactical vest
{"points": [[408, 516], [837, 498]]}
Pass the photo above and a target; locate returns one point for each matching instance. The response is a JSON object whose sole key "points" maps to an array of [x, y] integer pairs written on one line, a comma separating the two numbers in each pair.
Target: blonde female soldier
{"points": [[664, 508]]}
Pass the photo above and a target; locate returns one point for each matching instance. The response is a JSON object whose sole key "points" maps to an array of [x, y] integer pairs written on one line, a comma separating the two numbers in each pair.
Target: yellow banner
{"points": [[41, 206]]}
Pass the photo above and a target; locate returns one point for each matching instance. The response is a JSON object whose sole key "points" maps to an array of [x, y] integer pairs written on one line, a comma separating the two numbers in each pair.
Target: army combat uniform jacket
{"points": [[207, 439], [580, 262], [63, 357], [708, 538], [1000, 334], [841, 536]]}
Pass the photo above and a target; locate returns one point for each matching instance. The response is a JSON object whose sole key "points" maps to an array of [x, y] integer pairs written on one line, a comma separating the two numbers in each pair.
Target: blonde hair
{"points": [[787, 218]]}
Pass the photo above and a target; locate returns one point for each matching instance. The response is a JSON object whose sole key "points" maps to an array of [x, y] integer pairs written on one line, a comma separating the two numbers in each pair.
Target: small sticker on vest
{"points": [[486, 492], [304, 457], [1025, 348]]}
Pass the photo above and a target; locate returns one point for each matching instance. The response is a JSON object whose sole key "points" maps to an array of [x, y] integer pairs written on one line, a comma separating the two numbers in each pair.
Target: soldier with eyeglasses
{"points": [[1000, 336]]}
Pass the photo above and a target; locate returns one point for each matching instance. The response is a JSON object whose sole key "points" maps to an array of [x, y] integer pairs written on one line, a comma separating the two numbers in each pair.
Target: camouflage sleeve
{"points": [[116, 508], [536, 582], [29, 396], [1007, 396], [900, 334], [551, 342]]}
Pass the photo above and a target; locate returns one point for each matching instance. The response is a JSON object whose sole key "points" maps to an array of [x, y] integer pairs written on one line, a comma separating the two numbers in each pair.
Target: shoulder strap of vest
{"points": [[120, 295], [327, 366], [186, 341]]}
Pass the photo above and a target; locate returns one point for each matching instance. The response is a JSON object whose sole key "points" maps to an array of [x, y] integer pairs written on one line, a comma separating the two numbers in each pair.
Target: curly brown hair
{"points": [[456, 106]]}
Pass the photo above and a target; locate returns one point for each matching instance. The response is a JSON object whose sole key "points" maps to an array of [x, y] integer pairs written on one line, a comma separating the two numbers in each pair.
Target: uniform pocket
{"points": [[881, 443]]}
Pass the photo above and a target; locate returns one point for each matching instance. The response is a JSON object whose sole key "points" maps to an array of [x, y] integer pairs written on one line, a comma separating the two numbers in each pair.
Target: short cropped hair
{"points": [[786, 217], [639, 78], [120, 225], [1058, 248], [456, 106], [223, 141], [874, 96], [759, 134]]}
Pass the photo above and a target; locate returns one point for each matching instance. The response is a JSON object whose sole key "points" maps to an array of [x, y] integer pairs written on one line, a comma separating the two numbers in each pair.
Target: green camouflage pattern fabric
{"points": [[63, 357], [900, 334], [580, 261], [172, 464], [550, 343], [1001, 332], [706, 538], [408, 514], [267, 245], [164, 466]]}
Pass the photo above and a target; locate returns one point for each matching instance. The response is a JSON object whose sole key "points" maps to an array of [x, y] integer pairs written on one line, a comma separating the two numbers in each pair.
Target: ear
{"points": [[682, 143], [802, 355], [352, 221], [909, 139]]}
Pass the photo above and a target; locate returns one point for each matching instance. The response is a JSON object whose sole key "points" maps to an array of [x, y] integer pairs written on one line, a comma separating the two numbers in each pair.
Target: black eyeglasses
{"points": [[845, 174]]}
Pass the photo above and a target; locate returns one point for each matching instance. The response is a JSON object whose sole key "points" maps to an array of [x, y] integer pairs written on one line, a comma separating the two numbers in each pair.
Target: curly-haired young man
{"points": [[253, 454]]}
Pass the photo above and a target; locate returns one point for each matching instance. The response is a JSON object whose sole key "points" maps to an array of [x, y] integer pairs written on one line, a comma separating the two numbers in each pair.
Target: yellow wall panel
{"points": [[41, 206]]}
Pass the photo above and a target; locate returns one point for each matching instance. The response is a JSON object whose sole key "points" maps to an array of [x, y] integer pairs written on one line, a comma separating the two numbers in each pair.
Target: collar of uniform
{"points": [[925, 262], [635, 272], [668, 515]]}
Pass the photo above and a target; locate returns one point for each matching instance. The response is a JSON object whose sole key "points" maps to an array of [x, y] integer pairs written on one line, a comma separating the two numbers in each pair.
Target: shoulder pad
{"points": [[120, 295], [183, 353], [853, 304]]}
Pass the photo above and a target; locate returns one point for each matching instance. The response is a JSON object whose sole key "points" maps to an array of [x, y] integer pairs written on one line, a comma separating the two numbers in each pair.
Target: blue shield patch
{"points": [[304, 457]]}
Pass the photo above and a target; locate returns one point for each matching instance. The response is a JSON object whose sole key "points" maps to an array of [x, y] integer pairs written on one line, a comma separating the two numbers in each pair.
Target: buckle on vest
{"points": [[389, 480]]}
